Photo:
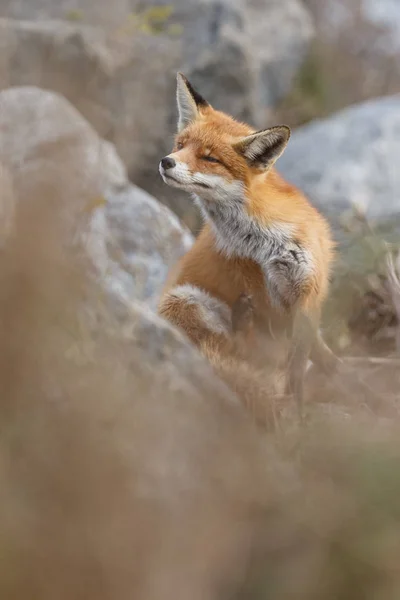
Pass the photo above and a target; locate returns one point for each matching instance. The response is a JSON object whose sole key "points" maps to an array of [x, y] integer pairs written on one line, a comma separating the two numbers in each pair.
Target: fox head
{"points": [[214, 156]]}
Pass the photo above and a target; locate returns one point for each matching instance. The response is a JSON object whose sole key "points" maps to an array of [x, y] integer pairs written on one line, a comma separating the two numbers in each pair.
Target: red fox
{"points": [[262, 261]]}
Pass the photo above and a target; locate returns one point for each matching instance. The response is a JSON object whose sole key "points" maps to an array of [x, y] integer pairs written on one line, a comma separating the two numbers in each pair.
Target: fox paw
{"points": [[242, 313]]}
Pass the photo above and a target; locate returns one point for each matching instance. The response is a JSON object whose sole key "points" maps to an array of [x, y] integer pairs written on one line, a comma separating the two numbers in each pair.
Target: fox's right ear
{"points": [[189, 102]]}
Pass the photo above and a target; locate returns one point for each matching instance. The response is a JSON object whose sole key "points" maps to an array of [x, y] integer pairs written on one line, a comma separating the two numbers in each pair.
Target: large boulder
{"points": [[127, 469], [146, 239], [48, 149], [243, 55], [118, 63], [253, 48], [350, 159], [347, 165], [386, 15], [119, 81]]}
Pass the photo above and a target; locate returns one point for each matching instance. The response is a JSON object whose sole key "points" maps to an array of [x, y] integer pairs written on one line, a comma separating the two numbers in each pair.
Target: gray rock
{"points": [[95, 13], [350, 159], [243, 56], [50, 150], [127, 468], [255, 47], [121, 83], [146, 239], [386, 15]]}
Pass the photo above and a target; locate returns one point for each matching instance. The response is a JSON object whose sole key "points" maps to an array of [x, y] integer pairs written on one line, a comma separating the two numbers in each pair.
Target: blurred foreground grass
{"points": [[76, 520]]}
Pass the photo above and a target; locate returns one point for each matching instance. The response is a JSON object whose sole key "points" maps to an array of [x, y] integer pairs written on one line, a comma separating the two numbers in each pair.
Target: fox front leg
{"points": [[288, 274], [243, 314], [243, 324]]}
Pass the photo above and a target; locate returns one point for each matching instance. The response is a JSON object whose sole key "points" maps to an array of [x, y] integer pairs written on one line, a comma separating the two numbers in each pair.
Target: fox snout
{"points": [[167, 168], [167, 163], [175, 174]]}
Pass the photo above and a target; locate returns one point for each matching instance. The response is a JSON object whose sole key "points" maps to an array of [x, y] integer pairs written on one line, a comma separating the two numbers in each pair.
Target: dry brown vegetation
{"points": [[89, 509], [106, 490]]}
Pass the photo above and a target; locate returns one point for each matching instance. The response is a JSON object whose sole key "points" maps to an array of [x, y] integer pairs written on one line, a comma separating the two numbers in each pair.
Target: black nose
{"points": [[168, 163]]}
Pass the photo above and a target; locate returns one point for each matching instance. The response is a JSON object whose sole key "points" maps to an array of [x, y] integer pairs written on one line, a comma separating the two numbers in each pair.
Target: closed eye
{"points": [[211, 159]]}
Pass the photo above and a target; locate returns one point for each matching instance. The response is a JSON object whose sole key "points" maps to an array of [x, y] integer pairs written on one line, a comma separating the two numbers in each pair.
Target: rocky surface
{"points": [[125, 464], [117, 64], [47, 148], [381, 15], [350, 159], [147, 238], [121, 449], [386, 15], [347, 166], [97, 13]]}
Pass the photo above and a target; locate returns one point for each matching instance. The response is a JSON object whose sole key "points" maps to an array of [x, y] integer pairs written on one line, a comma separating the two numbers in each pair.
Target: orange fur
{"points": [[271, 201]]}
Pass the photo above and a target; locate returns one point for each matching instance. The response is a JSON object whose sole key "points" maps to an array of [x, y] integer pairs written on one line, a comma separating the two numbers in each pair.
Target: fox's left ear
{"points": [[189, 102], [262, 149]]}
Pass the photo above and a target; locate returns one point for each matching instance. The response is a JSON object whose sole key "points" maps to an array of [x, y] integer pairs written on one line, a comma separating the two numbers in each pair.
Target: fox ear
{"points": [[189, 102], [262, 149]]}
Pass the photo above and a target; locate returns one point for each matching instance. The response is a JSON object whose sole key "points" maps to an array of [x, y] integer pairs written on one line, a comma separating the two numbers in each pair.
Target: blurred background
{"points": [[127, 470]]}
